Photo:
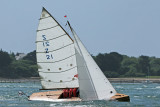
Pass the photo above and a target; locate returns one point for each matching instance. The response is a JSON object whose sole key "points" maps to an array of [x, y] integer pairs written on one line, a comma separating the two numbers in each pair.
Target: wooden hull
{"points": [[120, 97], [53, 96]]}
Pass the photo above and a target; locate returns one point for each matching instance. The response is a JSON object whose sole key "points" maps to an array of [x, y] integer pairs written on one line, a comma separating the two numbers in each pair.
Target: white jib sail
{"points": [[87, 93], [101, 87], [55, 54]]}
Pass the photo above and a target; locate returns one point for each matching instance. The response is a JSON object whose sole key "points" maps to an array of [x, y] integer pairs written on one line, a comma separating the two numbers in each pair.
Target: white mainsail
{"points": [[55, 54], [99, 88]]}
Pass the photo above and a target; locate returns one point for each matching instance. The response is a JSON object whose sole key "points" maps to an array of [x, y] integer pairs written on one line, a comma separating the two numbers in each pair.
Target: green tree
{"points": [[31, 56], [129, 66], [143, 64], [154, 66], [5, 59], [24, 68]]}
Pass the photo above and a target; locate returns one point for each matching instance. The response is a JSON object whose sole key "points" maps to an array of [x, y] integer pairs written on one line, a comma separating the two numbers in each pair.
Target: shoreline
{"points": [[112, 80], [134, 80]]}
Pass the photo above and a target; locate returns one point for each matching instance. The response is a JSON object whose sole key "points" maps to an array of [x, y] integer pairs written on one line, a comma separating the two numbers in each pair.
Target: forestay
{"points": [[99, 88], [55, 54]]}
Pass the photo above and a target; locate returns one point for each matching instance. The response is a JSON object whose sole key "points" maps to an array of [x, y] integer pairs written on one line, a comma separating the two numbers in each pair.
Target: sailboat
{"points": [[65, 64]]}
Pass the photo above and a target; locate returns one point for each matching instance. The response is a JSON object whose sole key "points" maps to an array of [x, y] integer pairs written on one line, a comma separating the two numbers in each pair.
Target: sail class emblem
{"points": [[90, 82]]}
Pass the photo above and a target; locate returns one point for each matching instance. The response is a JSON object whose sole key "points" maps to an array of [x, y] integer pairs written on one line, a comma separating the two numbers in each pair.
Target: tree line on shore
{"points": [[12, 68], [112, 64]]}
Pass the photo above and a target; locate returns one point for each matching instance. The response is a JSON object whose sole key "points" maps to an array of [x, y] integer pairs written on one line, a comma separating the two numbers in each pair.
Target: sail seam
{"points": [[60, 71], [58, 60], [52, 38], [56, 49], [47, 28]]}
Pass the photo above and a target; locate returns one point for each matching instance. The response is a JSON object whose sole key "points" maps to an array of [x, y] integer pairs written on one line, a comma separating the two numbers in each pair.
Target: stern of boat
{"points": [[120, 97]]}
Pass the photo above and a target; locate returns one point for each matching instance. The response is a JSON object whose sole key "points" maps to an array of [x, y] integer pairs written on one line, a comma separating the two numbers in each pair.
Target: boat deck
{"points": [[51, 96]]}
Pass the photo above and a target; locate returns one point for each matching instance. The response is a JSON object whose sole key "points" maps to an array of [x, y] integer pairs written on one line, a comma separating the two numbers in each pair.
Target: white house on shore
{"points": [[20, 56]]}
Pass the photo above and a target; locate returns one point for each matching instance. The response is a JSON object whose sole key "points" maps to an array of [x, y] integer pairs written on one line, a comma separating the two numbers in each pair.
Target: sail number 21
{"points": [[46, 44]]}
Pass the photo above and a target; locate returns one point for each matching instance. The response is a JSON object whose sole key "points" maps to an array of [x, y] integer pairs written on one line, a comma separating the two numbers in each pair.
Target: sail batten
{"points": [[56, 49], [57, 72], [58, 60], [44, 18], [59, 82], [52, 38], [47, 28]]}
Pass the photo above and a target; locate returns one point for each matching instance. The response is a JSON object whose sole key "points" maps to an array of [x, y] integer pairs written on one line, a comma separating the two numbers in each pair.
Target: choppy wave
{"points": [[145, 86], [158, 87], [119, 87], [138, 88], [140, 94], [136, 96]]}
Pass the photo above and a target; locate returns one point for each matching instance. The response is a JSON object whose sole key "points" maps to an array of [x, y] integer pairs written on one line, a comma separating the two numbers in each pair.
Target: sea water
{"points": [[141, 94]]}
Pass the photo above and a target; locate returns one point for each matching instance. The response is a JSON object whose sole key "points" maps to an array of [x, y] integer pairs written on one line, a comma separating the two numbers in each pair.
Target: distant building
{"points": [[20, 56]]}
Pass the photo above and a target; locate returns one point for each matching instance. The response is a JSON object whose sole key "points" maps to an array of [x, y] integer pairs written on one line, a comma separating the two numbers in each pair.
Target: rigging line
{"points": [[56, 49], [58, 72], [58, 60], [47, 28], [52, 38]]}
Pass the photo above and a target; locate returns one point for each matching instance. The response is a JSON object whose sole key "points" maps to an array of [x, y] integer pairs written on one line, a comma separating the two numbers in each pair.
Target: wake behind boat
{"points": [[66, 67]]}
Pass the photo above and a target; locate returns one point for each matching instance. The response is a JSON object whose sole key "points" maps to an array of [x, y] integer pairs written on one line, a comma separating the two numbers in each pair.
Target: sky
{"points": [[129, 27]]}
